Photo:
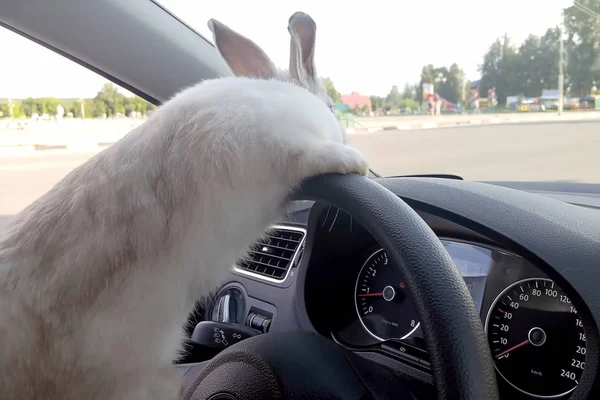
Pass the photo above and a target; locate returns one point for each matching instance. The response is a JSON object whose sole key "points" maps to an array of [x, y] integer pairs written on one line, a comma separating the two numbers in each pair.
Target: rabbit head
{"points": [[247, 59]]}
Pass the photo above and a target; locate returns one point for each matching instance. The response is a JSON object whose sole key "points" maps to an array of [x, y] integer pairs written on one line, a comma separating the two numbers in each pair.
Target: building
{"points": [[354, 100]]}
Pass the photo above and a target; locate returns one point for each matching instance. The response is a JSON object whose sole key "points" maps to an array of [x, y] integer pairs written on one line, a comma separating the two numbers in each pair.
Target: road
{"points": [[521, 152]]}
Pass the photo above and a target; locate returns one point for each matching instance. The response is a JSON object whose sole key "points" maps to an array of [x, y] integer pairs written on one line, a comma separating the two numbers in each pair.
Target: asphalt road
{"points": [[558, 151], [554, 151]]}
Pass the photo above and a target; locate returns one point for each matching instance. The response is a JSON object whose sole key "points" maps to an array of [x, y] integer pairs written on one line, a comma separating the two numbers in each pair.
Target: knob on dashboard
{"points": [[229, 306]]}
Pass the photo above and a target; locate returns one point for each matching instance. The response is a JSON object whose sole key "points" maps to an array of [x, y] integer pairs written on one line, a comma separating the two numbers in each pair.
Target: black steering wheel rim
{"points": [[276, 365], [460, 358]]}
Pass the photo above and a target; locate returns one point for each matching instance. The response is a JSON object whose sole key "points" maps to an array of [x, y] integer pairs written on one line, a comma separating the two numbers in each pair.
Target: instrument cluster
{"points": [[536, 336]]}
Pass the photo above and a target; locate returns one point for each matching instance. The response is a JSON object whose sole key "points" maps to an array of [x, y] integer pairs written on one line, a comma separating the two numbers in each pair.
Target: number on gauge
{"points": [[384, 307], [537, 338]]}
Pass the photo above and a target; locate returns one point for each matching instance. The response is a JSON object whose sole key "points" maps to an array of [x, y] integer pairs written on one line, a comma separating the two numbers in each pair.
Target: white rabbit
{"points": [[98, 276]]}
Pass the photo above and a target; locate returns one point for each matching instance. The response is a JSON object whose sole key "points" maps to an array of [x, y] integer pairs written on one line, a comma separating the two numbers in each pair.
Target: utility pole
{"points": [[81, 105], [561, 76]]}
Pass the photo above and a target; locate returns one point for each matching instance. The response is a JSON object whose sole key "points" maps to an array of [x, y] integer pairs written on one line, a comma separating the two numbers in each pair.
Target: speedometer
{"points": [[384, 307], [537, 338]]}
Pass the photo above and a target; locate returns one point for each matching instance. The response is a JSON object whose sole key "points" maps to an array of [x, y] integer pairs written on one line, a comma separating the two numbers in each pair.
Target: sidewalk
{"points": [[376, 124], [74, 134]]}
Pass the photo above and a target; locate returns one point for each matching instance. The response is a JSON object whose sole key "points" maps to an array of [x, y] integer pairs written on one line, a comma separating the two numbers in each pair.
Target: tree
{"points": [[376, 103], [499, 70], [40, 106], [88, 108], [393, 98], [29, 106], [529, 80], [449, 86], [549, 58], [583, 47], [409, 91], [409, 104], [333, 94], [98, 109], [111, 100], [51, 104], [428, 75], [537, 64], [17, 112], [452, 89], [4, 110]]}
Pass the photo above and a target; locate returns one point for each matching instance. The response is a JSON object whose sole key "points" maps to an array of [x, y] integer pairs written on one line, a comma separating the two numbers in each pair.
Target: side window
{"points": [[54, 115], [38, 84]]}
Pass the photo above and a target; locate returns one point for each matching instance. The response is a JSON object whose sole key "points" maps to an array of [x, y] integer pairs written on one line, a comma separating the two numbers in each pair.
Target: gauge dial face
{"points": [[383, 304], [537, 338]]}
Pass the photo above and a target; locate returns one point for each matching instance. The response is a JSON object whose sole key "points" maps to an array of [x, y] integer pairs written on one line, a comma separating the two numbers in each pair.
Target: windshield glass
{"points": [[494, 92], [468, 88]]}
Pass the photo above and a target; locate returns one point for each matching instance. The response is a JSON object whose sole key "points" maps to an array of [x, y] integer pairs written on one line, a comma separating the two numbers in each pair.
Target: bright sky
{"points": [[363, 46]]}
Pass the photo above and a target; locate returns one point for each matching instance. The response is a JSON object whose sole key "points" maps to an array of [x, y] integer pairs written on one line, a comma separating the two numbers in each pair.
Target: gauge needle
{"points": [[370, 294], [512, 348]]}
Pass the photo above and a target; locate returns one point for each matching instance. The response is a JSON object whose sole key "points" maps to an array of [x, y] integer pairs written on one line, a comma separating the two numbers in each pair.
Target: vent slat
{"points": [[272, 245], [286, 239], [272, 256], [270, 265]]}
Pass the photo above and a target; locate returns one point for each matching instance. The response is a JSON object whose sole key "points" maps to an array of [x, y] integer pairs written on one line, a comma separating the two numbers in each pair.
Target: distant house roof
{"points": [[353, 100], [343, 108]]}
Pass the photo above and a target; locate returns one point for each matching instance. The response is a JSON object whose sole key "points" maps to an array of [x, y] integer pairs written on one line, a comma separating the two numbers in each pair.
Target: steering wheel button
{"points": [[401, 351]]}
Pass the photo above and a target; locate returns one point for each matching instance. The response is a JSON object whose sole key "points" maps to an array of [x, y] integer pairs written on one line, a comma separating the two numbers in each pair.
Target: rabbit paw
{"points": [[334, 158]]}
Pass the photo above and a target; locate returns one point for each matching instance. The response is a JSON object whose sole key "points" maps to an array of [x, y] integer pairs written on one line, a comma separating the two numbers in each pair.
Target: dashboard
{"points": [[340, 283]]}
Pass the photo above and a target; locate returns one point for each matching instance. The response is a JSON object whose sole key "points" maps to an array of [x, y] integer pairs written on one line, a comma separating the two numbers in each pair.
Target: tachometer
{"points": [[383, 305], [537, 338]]}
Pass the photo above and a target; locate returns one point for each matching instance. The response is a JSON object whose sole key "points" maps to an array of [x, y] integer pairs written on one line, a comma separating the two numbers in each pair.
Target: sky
{"points": [[362, 46]]}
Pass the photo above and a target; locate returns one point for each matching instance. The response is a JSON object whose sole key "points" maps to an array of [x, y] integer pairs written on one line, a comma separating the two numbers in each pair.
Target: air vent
{"points": [[272, 257]]}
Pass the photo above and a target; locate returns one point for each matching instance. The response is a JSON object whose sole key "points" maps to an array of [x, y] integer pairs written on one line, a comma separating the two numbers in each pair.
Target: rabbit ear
{"points": [[303, 31], [242, 55]]}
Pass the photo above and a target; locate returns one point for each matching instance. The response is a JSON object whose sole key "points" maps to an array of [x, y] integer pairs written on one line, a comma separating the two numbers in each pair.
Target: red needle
{"points": [[370, 294], [512, 348]]}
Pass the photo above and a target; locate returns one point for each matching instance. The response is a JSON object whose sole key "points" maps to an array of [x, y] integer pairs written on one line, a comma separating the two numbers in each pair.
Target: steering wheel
{"points": [[300, 365]]}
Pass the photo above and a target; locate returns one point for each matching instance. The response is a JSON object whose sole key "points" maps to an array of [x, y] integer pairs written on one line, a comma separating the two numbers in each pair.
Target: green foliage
{"points": [[396, 100], [331, 91], [583, 48], [534, 66], [409, 92], [409, 104], [525, 71], [17, 111], [376, 103], [98, 109], [393, 98], [447, 82], [537, 63], [107, 103]]}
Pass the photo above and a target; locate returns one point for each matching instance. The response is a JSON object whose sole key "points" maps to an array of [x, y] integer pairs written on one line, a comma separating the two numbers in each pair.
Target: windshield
{"points": [[468, 88], [496, 92]]}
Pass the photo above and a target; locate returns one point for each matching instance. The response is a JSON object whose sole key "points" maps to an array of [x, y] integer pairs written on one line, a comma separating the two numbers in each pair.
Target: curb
{"points": [[15, 149], [443, 124], [29, 149]]}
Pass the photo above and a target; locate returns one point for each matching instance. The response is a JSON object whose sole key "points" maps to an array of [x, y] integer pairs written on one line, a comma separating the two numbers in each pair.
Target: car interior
{"points": [[378, 287]]}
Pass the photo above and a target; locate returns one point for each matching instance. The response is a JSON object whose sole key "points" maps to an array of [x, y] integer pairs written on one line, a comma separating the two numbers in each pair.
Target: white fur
{"points": [[98, 276]]}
